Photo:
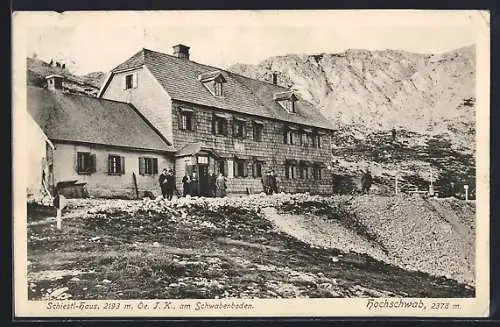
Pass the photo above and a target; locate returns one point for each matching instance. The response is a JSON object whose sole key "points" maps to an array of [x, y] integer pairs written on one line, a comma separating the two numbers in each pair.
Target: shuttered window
{"points": [[257, 131], [257, 169], [148, 166], [240, 168], [116, 165], [85, 163], [219, 125]]}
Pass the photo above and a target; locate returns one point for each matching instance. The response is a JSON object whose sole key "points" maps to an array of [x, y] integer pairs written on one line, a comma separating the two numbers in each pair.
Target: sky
{"points": [[99, 41]]}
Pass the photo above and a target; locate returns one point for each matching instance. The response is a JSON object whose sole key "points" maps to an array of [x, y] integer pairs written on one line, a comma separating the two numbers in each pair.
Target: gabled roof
{"points": [[210, 76], [79, 118], [179, 77]]}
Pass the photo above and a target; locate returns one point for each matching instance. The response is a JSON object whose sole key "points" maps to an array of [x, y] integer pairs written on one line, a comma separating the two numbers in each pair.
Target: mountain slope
{"points": [[429, 100], [379, 90], [37, 70]]}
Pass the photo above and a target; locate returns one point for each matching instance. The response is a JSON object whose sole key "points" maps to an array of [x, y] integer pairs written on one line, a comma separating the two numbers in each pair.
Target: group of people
{"points": [[270, 182], [190, 185], [167, 184]]}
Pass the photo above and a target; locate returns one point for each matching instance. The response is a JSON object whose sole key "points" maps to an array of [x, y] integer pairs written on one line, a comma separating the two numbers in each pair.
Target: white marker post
{"points": [[396, 184], [466, 187], [59, 203]]}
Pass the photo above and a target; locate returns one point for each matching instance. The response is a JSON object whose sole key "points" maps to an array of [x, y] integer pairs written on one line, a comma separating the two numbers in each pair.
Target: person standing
{"points": [[163, 182], [194, 184], [170, 184], [220, 184], [212, 180], [186, 182], [265, 182], [273, 184], [366, 181]]}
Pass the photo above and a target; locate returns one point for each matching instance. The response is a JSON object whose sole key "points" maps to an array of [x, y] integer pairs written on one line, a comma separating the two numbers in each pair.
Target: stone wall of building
{"points": [[271, 149]]}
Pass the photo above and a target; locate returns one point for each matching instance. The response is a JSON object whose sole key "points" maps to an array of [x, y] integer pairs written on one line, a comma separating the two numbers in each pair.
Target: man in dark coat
{"points": [[366, 181], [273, 183], [170, 184], [186, 182], [265, 182], [212, 184], [163, 182]]}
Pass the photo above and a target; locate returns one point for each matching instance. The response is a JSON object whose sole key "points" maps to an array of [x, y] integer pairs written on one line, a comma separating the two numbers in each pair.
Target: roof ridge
{"points": [[216, 68], [80, 95]]}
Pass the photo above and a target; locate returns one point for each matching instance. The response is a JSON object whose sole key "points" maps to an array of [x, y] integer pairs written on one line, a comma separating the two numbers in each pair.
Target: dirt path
{"points": [[321, 233]]}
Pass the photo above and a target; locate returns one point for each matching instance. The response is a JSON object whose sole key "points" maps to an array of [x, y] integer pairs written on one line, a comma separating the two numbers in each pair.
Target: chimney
{"points": [[181, 51], [54, 82], [275, 78]]}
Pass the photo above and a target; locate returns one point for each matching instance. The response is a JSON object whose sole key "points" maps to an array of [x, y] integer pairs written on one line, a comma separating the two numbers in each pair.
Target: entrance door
{"points": [[203, 179]]}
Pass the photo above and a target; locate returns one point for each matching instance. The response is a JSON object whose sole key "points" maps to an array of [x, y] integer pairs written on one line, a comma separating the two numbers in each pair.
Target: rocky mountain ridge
{"points": [[380, 90]]}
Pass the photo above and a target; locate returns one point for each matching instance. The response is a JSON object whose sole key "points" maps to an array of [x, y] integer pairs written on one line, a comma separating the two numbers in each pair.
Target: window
{"points": [[318, 141], [240, 168], [148, 166], [186, 122], [257, 169], [317, 172], [218, 88], [257, 131], [239, 128], [310, 140], [290, 169], [219, 125], [129, 81], [301, 172], [116, 165], [288, 105], [85, 163], [290, 137]]}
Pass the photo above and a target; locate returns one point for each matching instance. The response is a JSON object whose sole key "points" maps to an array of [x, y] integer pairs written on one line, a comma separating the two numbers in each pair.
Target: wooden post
{"points": [[135, 185], [59, 219], [396, 184], [466, 187]]}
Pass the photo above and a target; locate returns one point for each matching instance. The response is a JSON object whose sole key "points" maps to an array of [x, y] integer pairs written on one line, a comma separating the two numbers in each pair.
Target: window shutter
{"points": [[124, 82], [179, 116], [194, 122], [155, 166], [285, 134], [109, 165], [225, 164], [235, 129], [78, 162], [235, 168], [93, 163], [141, 165], [213, 124], [122, 165]]}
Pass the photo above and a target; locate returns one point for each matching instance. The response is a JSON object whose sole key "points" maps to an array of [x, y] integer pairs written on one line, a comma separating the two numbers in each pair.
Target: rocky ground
{"points": [[283, 246]]}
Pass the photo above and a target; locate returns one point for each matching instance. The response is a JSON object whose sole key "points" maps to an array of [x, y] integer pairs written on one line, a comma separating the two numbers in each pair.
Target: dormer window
{"points": [[286, 100], [218, 88], [213, 82]]}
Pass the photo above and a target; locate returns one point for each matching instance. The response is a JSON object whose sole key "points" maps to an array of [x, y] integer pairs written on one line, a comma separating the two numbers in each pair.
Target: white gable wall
{"points": [[147, 95], [36, 156]]}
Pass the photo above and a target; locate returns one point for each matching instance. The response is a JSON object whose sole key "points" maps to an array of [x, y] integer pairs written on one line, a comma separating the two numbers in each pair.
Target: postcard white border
{"points": [[470, 307]]}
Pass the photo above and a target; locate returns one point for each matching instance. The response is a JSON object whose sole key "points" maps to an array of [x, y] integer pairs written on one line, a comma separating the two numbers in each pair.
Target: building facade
{"points": [[86, 146], [218, 121]]}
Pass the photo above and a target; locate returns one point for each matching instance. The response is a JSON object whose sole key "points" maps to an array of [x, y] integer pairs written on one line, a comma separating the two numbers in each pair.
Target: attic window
{"points": [[130, 81], [286, 100], [213, 82], [218, 88], [288, 105]]}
